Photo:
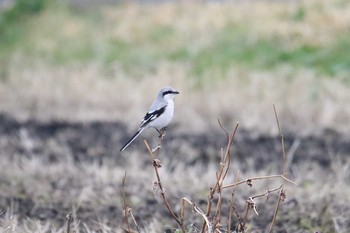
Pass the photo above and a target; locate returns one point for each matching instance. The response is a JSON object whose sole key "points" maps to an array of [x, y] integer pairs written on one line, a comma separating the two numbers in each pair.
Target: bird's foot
{"points": [[162, 132]]}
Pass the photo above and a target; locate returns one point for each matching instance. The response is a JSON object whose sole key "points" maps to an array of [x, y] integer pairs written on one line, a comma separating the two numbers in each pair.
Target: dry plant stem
{"points": [[282, 141], [222, 172], [155, 166], [252, 204], [282, 194], [245, 216], [134, 220], [232, 205], [257, 178], [291, 152], [230, 214], [196, 209], [76, 227], [280, 198], [217, 216], [69, 221], [126, 208], [267, 192]]}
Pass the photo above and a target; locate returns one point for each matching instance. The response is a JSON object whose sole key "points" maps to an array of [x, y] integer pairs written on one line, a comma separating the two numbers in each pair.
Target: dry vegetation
{"points": [[74, 82], [213, 216]]}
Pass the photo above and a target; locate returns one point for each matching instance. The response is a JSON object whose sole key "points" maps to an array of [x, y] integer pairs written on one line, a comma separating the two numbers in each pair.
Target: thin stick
{"points": [[225, 161], [282, 193], [282, 141], [196, 209], [251, 204], [124, 203], [231, 203], [222, 172], [280, 198], [217, 216], [69, 221], [257, 178], [155, 166], [76, 227], [267, 192], [134, 220], [245, 216]]}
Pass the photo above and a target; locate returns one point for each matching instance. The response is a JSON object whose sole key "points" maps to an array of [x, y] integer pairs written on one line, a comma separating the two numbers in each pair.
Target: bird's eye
{"points": [[167, 92]]}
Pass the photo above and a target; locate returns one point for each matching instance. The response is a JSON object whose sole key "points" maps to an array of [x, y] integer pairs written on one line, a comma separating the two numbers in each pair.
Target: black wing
{"points": [[151, 116]]}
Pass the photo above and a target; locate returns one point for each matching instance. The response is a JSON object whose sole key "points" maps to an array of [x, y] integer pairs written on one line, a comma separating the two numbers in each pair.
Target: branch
{"points": [[222, 171], [125, 206], [128, 210], [156, 165], [249, 180], [281, 198], [197, 210]]}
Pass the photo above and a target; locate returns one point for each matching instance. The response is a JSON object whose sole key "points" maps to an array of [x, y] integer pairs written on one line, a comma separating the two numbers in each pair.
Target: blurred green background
{"points": [[60, 32], [61, 55]]}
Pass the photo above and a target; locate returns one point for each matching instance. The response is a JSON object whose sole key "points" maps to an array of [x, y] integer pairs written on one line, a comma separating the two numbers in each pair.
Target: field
{"points": [[76, 79]]}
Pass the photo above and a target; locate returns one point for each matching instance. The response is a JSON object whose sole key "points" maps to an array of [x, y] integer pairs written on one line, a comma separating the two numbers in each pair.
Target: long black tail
{"points": [[132, 138]]}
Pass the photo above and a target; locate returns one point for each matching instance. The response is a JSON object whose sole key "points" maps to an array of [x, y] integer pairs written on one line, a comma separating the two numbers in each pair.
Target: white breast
{"points": [[164, 119]]}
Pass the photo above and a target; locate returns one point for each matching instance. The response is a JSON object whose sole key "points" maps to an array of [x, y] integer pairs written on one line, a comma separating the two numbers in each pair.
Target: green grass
{"points": [[236, 46], [233, 45], [13, 23]]}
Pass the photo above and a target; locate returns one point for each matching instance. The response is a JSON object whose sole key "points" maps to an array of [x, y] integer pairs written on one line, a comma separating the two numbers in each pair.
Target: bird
{"points": [[159, 114]]}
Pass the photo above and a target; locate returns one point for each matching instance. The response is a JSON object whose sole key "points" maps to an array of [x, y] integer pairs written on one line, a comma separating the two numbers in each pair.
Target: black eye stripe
{"points": [[170, 92], [167, 92]]}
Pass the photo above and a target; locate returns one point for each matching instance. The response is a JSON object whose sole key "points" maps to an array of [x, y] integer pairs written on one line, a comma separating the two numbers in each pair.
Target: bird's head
{"points": [[167, 93]]}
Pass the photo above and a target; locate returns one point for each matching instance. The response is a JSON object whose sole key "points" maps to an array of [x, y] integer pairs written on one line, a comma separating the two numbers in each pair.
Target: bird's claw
{"points": [[162, 132]]}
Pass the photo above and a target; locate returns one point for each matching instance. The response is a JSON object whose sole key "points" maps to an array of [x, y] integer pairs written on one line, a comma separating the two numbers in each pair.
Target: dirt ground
{"points": [[44, 166]]}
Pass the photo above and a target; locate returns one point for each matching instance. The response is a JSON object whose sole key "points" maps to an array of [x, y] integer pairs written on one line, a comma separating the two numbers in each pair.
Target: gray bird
{"points": [[159, 114]]}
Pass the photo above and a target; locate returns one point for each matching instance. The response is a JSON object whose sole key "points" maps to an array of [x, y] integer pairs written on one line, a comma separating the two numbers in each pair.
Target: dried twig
{"points": [[76, 227], [134, 220], [69, 221], [232, 206], [222, 171], [156, 165], [195, 209], [282, 141], [251, 204], [245, 217], [266, 194], [214, 224], [282, 195], [249, 180], [125, 206], [127, 209], [281, 198]]}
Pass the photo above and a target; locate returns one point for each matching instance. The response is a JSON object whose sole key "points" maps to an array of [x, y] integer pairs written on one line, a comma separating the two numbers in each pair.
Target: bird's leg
{"points": [[161, 136], [162, 132]]}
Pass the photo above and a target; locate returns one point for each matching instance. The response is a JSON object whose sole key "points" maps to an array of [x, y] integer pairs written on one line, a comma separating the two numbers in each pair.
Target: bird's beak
{"points": [[176, 92]]}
